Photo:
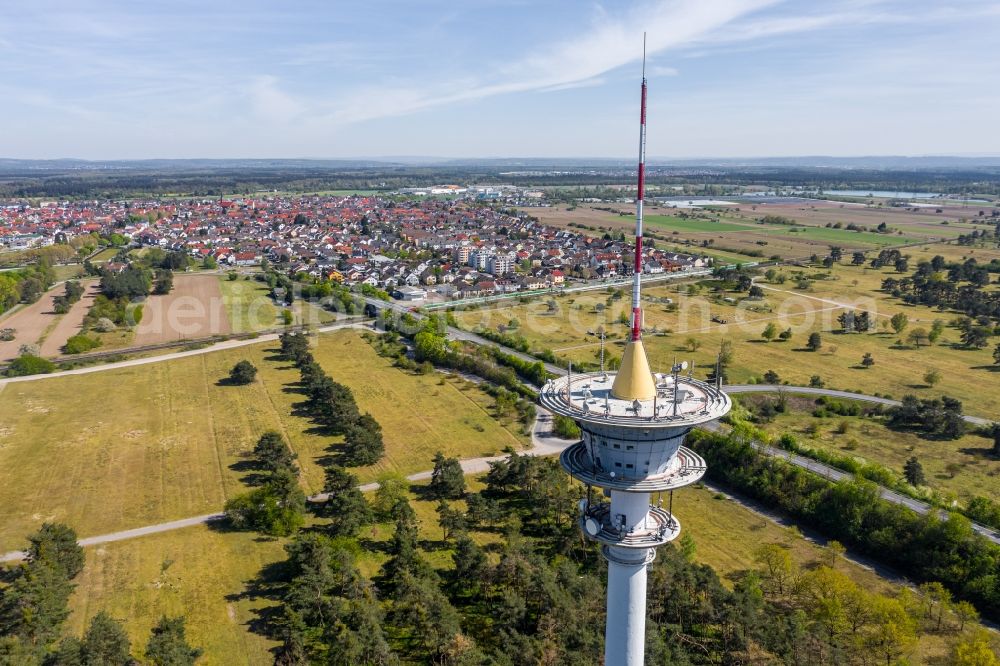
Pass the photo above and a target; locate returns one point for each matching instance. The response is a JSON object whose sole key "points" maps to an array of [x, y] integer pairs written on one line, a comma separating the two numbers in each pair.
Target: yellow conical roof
{"points": [[634, 380]]}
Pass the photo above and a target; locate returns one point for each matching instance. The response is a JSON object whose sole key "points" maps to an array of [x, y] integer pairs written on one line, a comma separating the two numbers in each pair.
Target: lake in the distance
{"points": [[884, 194]]}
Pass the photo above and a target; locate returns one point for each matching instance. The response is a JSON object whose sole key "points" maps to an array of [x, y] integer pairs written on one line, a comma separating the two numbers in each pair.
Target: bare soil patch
{"points": [[193, 309], [29, 323], [70, 323]]}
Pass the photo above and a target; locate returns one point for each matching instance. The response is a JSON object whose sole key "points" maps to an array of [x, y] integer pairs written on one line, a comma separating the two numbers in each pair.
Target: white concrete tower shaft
{"points": [[625, 629]]}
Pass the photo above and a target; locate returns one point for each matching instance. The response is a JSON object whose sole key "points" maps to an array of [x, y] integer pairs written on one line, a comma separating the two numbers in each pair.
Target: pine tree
{"points": [[914, 472], [243, 373], [363, 443], [56, 543], [273, 453], [346, 505], [447, 479], [168, 644], [34, 606], [106, 642]]}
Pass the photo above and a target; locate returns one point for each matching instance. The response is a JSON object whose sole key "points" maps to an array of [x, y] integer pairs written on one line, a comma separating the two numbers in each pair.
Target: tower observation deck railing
{"points": [[688, 468], [572, 397], [662, 528]]}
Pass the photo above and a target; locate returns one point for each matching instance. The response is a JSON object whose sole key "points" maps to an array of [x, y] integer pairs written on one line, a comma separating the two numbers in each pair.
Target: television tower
{"points": [[632, 425]]}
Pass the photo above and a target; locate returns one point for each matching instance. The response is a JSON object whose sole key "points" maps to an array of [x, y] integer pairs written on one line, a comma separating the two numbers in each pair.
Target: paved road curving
{"points": [[219, 346], [835, 474], [830, 393]]}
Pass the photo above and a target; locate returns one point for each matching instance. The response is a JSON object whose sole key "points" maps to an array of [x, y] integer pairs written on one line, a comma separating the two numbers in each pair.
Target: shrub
{"points": [[104, 325], [30, 364], [564, 427], [243, 373], [28, 350], [80, 343]]}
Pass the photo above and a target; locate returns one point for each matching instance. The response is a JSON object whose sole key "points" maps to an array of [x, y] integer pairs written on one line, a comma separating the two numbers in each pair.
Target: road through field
{"points": [[226, 344], [71, 322], [544, 444]]}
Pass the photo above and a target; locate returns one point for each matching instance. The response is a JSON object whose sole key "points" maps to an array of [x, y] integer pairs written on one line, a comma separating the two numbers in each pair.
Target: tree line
{"points": [[25, 285], [277, 505], [922, 546]]}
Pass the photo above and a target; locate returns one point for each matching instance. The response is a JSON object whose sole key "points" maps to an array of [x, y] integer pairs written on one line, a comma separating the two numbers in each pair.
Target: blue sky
{"points": [[496, 78]]}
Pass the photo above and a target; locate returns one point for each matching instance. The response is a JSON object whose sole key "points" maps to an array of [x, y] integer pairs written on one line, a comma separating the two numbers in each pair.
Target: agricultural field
{"points": [[193, 309], [736, 228], [570, 331], [69, 324], [962, 468], [172, 447], [30, 322]]}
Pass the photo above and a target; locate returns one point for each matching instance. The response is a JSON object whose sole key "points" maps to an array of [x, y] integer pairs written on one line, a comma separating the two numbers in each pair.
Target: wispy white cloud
{"points": [[655, 71], [609, 43]]}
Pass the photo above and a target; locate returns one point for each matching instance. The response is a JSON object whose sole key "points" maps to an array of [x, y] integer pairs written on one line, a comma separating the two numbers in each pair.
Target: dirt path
{"points": [[226, 344], [70, 323], [193, 309], [29, 323], [544, 444]]}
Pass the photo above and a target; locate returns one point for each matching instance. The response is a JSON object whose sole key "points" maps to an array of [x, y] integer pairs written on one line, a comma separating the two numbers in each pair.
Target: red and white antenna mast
{"points": [[637, 277]]}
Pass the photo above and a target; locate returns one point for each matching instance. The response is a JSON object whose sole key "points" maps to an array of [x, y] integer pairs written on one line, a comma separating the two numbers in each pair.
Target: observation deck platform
{"points": [[679, 402], [685, 468], [661, 527]]}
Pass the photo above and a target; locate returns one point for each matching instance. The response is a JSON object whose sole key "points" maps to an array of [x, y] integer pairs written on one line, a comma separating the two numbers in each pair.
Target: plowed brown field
{"points": [[193, 309]]}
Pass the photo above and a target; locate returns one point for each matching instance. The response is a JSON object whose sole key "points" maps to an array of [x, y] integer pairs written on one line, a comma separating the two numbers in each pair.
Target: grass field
{"points": [[670, 223], [167, 450], [248, 304], [104, 255], [898, 369], [198, 572], [869, 440], [67, 271]]}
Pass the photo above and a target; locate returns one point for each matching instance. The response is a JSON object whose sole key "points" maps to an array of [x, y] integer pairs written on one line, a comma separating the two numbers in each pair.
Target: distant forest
{"points": [[20, 180]]}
